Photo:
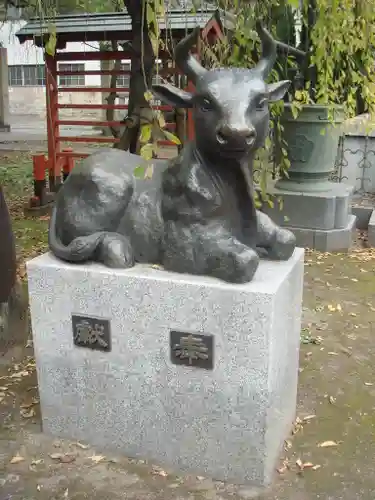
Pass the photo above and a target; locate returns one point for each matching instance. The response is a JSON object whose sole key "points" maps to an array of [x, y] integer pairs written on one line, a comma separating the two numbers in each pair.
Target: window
{"points": [[31, 75], [72, 80], [123, 81]]}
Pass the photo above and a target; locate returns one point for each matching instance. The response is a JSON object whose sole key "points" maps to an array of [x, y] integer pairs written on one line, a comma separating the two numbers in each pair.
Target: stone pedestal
{"points": [[320, 220], [189, 372], [371, 230]]}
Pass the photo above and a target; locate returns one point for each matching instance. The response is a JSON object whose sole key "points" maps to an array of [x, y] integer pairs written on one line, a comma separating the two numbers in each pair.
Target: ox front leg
{"points": [[277, 242], [209, 250]]}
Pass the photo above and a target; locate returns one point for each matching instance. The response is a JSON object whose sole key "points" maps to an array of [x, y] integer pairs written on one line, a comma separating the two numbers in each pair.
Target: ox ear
{"points": [[277, 90], [173, 96]]}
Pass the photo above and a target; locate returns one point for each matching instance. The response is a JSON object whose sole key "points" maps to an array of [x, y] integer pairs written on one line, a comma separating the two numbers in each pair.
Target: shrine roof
{"points": [[113, 26]]}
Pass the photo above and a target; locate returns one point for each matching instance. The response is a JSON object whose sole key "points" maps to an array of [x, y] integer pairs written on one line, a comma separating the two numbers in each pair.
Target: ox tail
{"points": [[81, 249]]}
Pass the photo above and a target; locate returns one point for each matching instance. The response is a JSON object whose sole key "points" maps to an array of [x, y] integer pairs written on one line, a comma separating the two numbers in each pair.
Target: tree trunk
{"points": [[142, 66]]}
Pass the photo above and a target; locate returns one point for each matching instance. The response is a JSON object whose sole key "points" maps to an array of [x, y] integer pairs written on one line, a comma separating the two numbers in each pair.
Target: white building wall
{"points": [[32, 100]]}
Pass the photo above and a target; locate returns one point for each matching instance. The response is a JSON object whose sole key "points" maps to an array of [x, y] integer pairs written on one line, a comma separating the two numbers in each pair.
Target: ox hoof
{"points": [[236, 266], [283, 246], [116, 251]]}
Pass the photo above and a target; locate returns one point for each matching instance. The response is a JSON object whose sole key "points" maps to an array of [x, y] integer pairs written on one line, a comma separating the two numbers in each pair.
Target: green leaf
{"points": [[293, 3], [147, 151], [51, 44], [139, 172], [154, 39], [171, 137], [150, 14]]}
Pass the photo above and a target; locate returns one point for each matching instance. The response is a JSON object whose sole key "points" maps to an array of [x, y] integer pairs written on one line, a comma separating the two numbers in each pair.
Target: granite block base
{"points": [[216, 397], [333, 240], [371, 230], [312, 210], [363, 214]]}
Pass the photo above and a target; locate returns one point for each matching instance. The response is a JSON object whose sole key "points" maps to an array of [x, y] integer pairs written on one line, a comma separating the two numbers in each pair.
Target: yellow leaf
{"points": [[171, 137], [160, 118], [17, 459], [148, 96], [97, 458], [145, 133], [147, 151], [327, 444]]}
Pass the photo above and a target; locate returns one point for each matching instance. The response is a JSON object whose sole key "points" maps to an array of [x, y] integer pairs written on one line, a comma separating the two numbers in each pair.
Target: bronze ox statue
{"points": [[197, 214]]}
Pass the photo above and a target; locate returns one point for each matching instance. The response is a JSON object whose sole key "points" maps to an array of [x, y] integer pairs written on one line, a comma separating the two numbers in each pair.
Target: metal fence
{"points": [[355, 163]]}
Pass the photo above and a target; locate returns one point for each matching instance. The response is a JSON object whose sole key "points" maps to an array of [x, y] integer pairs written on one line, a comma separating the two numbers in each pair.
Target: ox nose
{"points": [[226, 134]]}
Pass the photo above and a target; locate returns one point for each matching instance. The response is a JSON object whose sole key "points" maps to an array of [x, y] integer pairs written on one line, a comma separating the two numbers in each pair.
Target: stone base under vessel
{"points": [[320, 220], [140, 390]]}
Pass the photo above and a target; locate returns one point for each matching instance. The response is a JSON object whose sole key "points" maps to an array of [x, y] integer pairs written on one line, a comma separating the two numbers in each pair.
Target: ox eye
{"points": [[262, 104], [206, 105]]}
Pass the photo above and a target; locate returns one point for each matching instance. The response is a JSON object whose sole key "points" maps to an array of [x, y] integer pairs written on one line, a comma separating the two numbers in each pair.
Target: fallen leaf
{"points": [[299, 464], [64, 458], [17, 459], [27, 414], [309, 417], [338, 307], [200, 478], [327, 444], [159, 472], [352, 314], [355, 280], [66, 493], [38, 487], [287, 445], [316, 467], [308, 465], [20, 374], [282, 469], [97, 458], [332, 400], [369, 383], [37, 462], [82, 446]]}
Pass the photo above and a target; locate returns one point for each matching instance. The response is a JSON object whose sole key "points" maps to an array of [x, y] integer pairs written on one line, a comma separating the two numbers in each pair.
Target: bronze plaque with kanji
{"points": [[93, 333], [192, 349]]}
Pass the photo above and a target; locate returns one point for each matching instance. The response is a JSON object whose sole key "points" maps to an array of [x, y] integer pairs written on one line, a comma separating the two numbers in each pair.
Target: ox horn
{"points": [[269, 51], [187, 63]]}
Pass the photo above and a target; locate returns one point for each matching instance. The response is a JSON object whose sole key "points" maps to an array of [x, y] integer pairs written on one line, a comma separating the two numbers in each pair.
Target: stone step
{"points": [[371, 230]]}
